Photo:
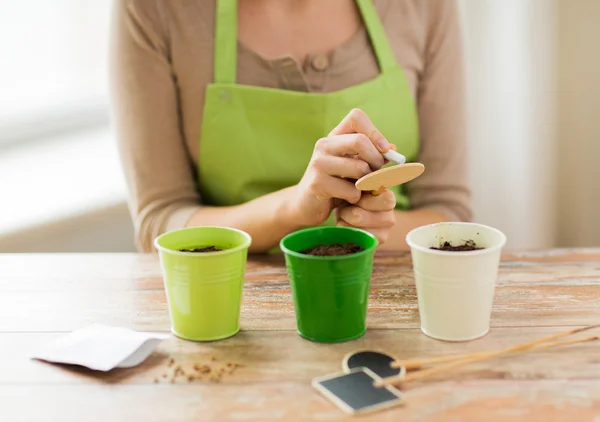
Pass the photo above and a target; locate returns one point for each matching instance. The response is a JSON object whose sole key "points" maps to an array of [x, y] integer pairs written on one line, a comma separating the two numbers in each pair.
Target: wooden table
{"points": [[539, 293]]}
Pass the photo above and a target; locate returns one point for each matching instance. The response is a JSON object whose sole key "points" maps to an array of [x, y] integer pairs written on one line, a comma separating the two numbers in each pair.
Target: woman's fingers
{"points": [[355, 144], [359, 217], [325, 187], [353, 149], [384, 202], [381, 234], [349, 168], [358, 122]]}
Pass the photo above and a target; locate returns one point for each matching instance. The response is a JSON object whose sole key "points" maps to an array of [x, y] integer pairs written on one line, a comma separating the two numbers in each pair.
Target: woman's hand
{"points": [[352, 150], [374, 214]]}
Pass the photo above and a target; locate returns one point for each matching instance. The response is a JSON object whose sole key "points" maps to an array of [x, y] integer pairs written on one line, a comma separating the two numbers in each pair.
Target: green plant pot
{"points": [[204, 290], [330, 293]]}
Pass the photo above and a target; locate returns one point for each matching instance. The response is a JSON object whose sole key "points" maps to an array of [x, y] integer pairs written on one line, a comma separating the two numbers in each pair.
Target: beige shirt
{"points": [[162, 61]]}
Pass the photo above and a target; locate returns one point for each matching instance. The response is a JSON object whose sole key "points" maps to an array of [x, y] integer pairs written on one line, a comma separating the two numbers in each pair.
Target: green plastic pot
{"points": [[330, 293], [204, 290]]}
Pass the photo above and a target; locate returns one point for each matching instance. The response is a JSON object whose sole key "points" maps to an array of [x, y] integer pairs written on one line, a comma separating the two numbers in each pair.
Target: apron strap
{"points": [[379, 39], [225, 58]]}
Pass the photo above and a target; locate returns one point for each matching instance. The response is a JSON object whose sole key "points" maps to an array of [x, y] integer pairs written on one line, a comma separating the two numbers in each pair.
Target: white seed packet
{"points": [[101, 347]]}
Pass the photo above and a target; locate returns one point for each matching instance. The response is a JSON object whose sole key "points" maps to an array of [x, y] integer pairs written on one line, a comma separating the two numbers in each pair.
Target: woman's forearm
{"points": [[267, 219], [405, 222]]}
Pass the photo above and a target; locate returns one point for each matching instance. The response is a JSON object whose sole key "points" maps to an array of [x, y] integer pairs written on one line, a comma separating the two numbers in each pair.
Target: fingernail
{"points": [[383, 144]]}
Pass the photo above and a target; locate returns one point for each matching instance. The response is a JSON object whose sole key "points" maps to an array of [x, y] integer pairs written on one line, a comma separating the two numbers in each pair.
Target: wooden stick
{"points": [[483, 356], [378, 191], [443, 368], [415, 364], [410, 365]]}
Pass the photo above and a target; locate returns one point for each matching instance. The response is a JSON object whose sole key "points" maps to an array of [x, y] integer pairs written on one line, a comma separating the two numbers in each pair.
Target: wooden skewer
{"points": [[416, 364], [484, 356], [410, 365], [443, 368]]}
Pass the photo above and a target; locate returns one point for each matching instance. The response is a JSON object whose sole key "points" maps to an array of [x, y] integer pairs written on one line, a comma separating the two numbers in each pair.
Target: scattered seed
{"points": [[204, 372]]}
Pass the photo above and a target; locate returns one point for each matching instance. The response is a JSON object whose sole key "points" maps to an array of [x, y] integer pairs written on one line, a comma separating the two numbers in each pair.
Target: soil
{"points": [[469, 245], [336, 249], [204, 249]]}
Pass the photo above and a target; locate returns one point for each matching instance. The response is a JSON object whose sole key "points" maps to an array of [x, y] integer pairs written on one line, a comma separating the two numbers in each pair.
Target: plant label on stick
{"points": [[379, 363], [386, 177], [355, 392]]}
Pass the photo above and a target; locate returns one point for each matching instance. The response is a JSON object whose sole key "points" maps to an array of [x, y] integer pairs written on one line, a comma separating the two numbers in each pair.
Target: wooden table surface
{"points": [[539, 293]]}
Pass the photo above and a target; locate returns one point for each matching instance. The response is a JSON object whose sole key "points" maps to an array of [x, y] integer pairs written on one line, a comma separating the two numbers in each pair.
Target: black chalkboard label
{"points": [[379, 363], [355, 392]]}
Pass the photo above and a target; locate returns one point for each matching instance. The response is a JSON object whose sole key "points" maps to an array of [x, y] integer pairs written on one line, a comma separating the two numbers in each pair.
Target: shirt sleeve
{"points": [[156, 163], [442, 118]]}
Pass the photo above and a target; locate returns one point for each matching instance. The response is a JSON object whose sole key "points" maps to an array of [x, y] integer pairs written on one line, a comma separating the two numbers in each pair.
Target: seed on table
{"points": [[164, 375], [171, 362], [155, 380], [190, 378]]}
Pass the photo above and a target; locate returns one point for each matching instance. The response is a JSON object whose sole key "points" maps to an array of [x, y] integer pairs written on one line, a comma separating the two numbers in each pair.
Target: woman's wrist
{"points": [[287, 215]]}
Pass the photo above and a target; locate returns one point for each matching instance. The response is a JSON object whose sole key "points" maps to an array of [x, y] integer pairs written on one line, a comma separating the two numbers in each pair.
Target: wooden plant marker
{"points": [[381, 179]]}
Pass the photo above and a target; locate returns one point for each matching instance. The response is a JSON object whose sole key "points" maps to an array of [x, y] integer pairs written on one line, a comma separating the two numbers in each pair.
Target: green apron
{"points": [[257, 140]]}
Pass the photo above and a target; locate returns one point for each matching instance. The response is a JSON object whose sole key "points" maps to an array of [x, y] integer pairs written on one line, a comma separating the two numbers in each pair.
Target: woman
{"points": [[255, 115]]}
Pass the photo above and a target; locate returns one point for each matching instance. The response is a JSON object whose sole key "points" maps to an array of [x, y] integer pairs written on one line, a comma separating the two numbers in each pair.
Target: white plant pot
{"points": [[455, 290]]}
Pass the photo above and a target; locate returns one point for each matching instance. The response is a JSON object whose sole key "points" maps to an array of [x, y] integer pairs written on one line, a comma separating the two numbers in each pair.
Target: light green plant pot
{"points": [[204, 290]]}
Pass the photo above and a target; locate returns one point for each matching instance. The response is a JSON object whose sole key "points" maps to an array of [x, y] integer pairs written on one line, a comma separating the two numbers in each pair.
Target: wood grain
{"points": [[464, 401], [538, 293], [273, 356], [39, 293]]}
